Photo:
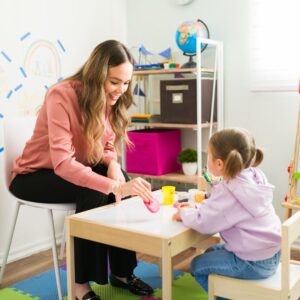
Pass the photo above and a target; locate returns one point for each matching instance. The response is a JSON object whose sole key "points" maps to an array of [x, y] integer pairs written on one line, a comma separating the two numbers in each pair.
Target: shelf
{"points": [[170, 71], [169, 125], [199, 73], [177, 177]]}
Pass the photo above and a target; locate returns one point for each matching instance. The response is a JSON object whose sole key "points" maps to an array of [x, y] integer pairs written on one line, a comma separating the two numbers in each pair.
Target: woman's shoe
{"points": [[90, 296], [134, 284]]}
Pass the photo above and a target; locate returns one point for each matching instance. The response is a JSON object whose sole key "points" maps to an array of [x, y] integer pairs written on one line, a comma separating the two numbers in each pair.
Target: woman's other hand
{"points": [[114, 171]]}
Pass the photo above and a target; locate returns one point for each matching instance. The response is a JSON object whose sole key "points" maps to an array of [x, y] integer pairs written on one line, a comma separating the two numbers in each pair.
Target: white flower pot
{"points": [[189, 168]]}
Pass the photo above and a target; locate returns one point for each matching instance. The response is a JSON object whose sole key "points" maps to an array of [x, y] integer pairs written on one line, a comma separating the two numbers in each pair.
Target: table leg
{"points": [[159, 264], [70, 263], [166, 270]]}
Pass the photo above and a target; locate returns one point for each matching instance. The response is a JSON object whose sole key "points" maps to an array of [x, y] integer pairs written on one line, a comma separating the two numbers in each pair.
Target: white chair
{"points": [[16, 132], [284, 284]]}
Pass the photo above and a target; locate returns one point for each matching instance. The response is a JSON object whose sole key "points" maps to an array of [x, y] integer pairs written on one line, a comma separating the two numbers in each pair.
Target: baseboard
{"points": [[29, 249]]}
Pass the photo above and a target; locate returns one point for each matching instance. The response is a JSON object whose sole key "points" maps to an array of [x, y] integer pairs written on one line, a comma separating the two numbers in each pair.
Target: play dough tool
{"points": [[206, 176], [153, 205]]}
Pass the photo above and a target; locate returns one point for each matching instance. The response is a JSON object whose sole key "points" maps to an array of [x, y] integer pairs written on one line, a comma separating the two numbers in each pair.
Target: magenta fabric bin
{"points": [[154, 151]]}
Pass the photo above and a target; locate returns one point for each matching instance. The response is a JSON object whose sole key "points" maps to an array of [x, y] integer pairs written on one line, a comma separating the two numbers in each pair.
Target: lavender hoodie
{"points": [[241, 211]]}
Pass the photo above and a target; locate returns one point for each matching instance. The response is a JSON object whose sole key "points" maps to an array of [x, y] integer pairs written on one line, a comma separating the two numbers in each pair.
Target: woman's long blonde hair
{"points": [[92, 99], [236, 148]]}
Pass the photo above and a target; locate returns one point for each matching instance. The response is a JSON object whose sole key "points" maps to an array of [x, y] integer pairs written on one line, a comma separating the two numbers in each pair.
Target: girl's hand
{"points": [[135, 187], [184, 204], [176, 216]]}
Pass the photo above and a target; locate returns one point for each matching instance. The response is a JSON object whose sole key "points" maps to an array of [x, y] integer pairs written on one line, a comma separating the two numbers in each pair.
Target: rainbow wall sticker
{"points": [[42, 60]]}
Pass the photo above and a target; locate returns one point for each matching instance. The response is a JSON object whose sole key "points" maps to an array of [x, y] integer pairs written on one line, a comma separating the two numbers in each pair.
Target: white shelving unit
{"points": [[217, 72], [218, 79]]}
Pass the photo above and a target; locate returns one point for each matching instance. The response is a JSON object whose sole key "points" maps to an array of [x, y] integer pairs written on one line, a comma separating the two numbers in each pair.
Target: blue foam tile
{"points": [[43, 285], [150, 274]]}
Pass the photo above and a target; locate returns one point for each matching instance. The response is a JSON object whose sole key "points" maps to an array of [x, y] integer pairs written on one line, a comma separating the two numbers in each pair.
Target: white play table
{"points": [[131, 226]]}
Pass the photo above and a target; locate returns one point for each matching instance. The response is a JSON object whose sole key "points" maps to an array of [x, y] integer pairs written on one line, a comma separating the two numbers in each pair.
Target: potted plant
{"points": [[188, 158]]}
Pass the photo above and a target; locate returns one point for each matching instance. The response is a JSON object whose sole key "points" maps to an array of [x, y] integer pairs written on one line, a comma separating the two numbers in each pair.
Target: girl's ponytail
{"points": [[258, 157], [233, 164]]}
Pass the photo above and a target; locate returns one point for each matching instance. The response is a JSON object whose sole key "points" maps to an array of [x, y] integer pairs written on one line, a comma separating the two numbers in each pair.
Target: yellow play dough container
{"points": [[168, 192]]}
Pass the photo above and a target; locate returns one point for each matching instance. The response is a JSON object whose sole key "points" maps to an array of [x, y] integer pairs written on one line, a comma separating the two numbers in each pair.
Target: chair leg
{"points": [[54, 253], [63, 240], [10, 236], [211, 288]]}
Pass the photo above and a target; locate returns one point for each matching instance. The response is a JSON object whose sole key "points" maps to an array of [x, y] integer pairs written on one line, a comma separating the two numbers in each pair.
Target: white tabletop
{"points": [[133, 215]]}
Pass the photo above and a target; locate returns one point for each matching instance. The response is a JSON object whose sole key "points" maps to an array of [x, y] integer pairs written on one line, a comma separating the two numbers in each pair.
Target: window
{"points": [[275, 45]]}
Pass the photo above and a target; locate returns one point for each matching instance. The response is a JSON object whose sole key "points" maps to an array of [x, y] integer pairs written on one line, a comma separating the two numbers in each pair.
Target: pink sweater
{"points": [[58, 143]]}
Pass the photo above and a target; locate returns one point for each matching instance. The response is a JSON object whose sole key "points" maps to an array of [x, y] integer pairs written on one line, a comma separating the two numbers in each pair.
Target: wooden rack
{"points": [[292, 202]]}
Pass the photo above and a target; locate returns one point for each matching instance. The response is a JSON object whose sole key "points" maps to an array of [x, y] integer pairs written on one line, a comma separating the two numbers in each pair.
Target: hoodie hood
{"points": [[252, 190]]}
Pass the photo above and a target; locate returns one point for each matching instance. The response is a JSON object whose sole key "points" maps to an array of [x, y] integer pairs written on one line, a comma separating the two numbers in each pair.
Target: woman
{"points": [[71, 157]]}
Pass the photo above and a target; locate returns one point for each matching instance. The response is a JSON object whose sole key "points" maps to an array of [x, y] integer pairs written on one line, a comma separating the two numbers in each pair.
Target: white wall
{"points": [[271, 116], [79, 26]]}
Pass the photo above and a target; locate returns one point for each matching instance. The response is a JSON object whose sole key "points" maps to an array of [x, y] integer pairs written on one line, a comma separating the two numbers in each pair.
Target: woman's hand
{"points": [[135, 187]]}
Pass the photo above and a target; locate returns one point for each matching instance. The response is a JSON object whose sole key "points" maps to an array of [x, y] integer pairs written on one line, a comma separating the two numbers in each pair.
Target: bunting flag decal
{"points": [[166, 54], [143, 50]]}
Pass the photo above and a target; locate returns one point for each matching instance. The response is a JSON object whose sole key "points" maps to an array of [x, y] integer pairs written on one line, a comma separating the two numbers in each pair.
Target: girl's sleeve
{"points": [[62, 151], [212, 215]]}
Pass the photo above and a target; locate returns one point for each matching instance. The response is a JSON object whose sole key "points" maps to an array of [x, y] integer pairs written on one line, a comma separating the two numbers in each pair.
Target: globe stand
{"points": [[190, 63]]}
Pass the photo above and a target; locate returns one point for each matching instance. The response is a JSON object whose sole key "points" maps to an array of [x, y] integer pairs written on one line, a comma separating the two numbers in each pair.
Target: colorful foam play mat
{"points": [[43, 287]]}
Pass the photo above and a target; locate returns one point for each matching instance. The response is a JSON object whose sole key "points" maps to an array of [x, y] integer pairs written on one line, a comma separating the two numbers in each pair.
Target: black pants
{"points": [[90, 257]]}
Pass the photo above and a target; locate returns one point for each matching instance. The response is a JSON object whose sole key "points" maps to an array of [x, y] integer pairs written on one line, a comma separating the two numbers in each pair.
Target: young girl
{"points": [[239, 208]]}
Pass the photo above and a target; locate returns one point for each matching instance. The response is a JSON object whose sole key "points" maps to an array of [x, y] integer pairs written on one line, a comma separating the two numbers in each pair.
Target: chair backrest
{"points": [[290, 232], [17, 131]]}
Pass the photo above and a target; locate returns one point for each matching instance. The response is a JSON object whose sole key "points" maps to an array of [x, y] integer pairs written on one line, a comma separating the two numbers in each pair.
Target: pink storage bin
{"points": [[154, 152]]}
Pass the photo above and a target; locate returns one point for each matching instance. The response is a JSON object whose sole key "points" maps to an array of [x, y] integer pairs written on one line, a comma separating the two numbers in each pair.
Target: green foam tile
{"points": [[185, 287], [12, 294], [107, 291]]}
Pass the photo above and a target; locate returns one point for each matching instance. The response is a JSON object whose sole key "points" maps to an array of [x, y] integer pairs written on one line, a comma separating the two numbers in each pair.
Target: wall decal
{"points": [[6, 56], [26, 35], [61, 45], [32, 69]]}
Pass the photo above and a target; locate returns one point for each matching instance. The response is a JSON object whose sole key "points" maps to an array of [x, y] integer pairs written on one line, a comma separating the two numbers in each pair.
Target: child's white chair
{"points": [[284, 284], [16, 132]]}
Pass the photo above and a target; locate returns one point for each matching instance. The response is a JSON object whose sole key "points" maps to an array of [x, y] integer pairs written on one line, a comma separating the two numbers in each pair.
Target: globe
{"points": [[186, 38]]}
